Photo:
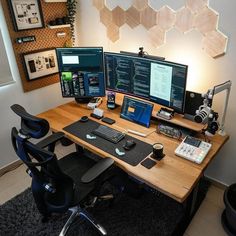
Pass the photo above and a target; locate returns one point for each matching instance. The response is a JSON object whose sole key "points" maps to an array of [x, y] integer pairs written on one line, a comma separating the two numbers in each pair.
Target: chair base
{"points": [[76, 212]]}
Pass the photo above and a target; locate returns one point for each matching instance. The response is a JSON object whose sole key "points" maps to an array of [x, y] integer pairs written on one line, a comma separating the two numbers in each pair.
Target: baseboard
{"points": [[9, 167], [216, 183]]}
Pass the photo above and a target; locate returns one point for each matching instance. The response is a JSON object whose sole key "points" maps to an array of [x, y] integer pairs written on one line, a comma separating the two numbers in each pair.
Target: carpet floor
{"points": [[152, 214]]}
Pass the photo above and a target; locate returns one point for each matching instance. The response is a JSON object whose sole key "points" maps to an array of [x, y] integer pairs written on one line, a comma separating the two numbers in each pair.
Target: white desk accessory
{"points": [[136, 132], [94, 102], [193, 149], [98, 112]]}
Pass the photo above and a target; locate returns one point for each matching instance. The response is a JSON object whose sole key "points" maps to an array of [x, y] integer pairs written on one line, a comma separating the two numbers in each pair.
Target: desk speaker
{"points": [[192, 102]]}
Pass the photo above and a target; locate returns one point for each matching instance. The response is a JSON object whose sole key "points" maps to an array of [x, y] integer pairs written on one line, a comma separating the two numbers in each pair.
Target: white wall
{"points": [[35, 102], [204, 71]]}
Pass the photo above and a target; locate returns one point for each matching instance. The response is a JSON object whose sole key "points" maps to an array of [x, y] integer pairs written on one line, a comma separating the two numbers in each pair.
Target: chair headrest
{"points": [[31, 125]]}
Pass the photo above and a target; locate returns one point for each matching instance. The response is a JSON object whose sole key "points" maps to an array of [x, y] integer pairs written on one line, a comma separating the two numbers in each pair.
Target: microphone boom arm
{"points": [[217, 89]]}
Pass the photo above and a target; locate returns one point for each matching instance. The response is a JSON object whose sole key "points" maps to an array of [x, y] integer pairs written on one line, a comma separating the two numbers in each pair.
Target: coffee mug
{"points": [[157, 151]]}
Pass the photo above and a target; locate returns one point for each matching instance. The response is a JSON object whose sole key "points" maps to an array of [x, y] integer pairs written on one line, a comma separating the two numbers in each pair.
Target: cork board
{"points": [[45, 39]]}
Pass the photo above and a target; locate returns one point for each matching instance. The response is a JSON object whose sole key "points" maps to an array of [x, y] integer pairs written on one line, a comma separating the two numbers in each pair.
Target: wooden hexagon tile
{"points": [[99, 4], [140, 4], [206, 20], [118, 16], [184, 20], [148, 17], [106, 16], [113, 32], [166, 18], [196, 5], [157, 36], [132, 17], [214, 43]]}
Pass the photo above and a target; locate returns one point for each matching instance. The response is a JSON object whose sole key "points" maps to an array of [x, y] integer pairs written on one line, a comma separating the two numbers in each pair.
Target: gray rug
{"points": [[152, 214]]}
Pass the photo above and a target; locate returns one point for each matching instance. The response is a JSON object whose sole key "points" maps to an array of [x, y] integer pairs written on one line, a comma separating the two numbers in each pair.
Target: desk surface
{"points": [[173, 175]]}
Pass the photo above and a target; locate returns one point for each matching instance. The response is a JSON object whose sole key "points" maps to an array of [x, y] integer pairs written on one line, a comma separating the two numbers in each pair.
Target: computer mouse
{"points": [[129, 144], [84, 119]]}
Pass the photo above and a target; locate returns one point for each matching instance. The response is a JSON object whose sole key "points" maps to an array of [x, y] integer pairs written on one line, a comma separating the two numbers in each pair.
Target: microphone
{"points": [[202, 114]]}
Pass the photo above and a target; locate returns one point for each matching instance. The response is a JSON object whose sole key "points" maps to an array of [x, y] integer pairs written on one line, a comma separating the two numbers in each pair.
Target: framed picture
{"points": [[26, 14], [40, 63]]}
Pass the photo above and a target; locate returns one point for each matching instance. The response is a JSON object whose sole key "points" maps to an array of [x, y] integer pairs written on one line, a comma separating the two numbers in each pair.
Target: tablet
{"points": [[137, 111]]}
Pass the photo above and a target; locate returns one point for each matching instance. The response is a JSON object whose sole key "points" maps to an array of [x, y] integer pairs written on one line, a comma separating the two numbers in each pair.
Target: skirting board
{"points": [[13, 165], [216, 182]]}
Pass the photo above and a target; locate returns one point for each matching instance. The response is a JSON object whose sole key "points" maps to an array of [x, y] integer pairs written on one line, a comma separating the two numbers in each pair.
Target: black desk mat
{"points": [[132, 157]]}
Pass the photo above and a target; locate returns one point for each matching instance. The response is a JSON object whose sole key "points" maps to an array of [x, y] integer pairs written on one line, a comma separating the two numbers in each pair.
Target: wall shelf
{"points": [[58, 26]]}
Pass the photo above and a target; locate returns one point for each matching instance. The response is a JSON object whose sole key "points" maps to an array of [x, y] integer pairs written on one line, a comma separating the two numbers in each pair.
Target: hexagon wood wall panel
{"points": [[148, 17], [99, 4], [184, 20], [196, 5], [194, 15], [140, 4], [166, 18], [132, 17], [214, 43]]}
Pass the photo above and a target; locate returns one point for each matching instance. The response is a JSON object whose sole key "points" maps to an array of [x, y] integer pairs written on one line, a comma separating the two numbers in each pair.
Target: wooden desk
{"points": [[173, 175]]}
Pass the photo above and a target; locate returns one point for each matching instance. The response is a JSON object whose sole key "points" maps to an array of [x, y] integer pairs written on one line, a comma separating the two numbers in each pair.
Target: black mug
{"points": [[157, 151]]}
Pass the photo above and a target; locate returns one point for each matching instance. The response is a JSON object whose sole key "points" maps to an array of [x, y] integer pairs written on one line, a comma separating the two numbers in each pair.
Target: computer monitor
{"points": [[168, 84], [81, 71], [159, 81]]}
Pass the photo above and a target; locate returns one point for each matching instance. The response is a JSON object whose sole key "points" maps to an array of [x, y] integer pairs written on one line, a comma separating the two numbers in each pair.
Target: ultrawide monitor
{"points": [[81, 72], [159, 81]]}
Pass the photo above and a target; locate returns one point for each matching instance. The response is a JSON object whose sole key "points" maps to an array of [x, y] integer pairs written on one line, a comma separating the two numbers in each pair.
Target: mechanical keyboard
{"points": [[108, 133]]}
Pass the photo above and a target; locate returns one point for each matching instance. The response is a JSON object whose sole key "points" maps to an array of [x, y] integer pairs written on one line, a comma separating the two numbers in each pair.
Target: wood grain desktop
{"points": [[173, 175]]}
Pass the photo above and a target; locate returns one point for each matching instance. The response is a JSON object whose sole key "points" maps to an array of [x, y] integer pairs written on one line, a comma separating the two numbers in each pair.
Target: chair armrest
{"points": [[52, 139], [97, 169]]}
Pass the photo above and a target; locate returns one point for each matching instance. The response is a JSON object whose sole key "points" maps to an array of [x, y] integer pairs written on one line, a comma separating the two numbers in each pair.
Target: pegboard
{"points": [[45, 38]]}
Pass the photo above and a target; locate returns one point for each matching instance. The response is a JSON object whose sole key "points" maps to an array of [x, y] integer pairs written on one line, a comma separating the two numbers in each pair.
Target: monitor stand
{"points": [[82, 100], [189, 116]]}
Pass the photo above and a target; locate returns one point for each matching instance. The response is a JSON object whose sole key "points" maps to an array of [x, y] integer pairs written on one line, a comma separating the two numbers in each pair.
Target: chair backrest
{"points": [[47, 178], [32, 126]]}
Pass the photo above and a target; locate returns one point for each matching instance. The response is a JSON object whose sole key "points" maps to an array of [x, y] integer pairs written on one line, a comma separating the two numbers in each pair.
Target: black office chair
{"points": [[57, 185]]}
